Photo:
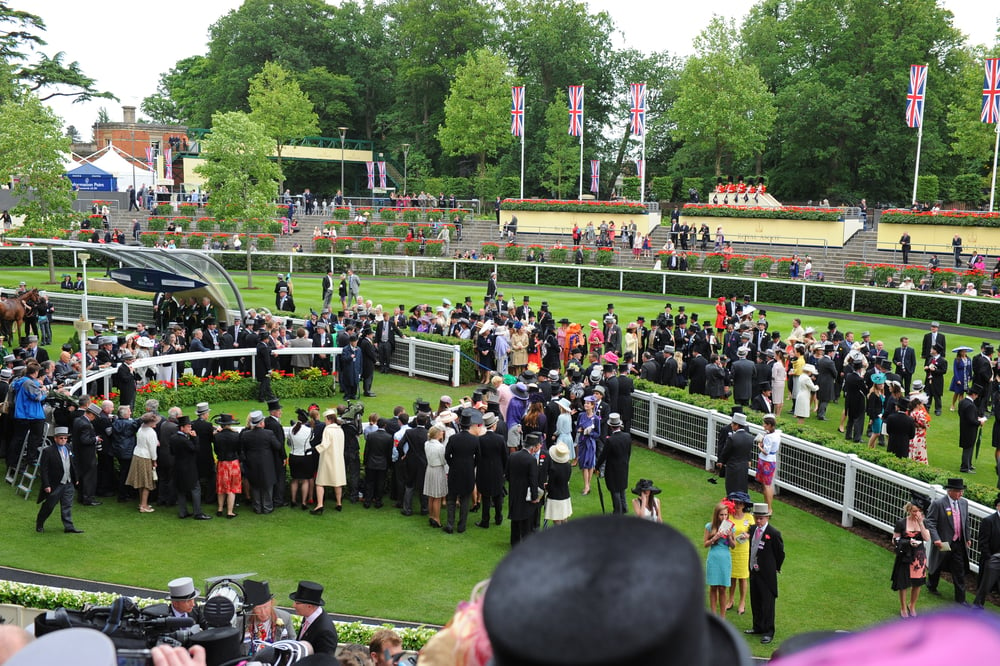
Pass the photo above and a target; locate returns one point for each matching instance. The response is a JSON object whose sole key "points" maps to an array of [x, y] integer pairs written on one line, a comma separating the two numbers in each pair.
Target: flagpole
{"points": [[993, 186], [916, 169], [642, 176], [522, 162]]}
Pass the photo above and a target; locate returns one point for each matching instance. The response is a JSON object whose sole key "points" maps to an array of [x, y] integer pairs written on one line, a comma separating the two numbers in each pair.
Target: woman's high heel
{"points": [[318, 511]]}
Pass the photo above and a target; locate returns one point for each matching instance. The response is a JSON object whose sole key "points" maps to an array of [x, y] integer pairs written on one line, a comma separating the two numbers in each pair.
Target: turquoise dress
{"points": [[719, 565]]}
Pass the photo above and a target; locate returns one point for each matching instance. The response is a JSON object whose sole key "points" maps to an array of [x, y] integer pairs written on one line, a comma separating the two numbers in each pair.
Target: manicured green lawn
{"points": [[379, 563]]}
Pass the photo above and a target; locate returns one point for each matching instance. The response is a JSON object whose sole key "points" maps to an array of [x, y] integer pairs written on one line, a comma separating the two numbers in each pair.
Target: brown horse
{"points": [[13, 310]]}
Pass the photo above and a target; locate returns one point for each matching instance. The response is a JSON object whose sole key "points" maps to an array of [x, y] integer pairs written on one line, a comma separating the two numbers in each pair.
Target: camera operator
{"points": [[29, 416]]}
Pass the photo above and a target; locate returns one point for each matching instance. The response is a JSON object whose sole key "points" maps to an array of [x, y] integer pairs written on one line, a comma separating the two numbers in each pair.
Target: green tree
{"points": [[973, 139], [477, 109], [334, 96], [72, 133], [278, 104], [562, 154], [723, 107], [32, 146], [239, 176], [179, 94], [47, 76]]}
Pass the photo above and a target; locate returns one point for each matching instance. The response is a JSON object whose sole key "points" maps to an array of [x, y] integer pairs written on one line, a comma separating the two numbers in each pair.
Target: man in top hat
{"points": [[617, 454], [265, 623], [259, 449], [462, 455], [350, 367], [386, 332], [936, 367], [57, 474], [317, 626], [989, 554], [85, 442], [743, 373], [272, 422], [525, 490], [767, 554], [492, 463], [826, 377], [931, 338], [182, 602], [184, 447], [948, 522], [762, 401], [205, 437], [969, 425], [612, 334], [982, 374], [735, 455], [125, 379]]}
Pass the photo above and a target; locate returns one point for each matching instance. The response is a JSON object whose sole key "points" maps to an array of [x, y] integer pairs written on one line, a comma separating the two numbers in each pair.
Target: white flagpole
{"points": [[642, 177], [522, 156], [580, 195], [916, 168], [993, 187]]}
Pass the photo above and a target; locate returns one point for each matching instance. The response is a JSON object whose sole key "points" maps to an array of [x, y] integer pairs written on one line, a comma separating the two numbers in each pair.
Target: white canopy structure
{"points": [[122, 166]]}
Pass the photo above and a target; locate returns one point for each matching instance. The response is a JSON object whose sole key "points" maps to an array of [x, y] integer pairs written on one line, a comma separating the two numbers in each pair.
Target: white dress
{"points": [[803, 398], [778, 376]]}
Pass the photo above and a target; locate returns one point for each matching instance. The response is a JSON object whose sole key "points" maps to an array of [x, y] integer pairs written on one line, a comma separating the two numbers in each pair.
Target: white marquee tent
{"points": [[120, 164]]}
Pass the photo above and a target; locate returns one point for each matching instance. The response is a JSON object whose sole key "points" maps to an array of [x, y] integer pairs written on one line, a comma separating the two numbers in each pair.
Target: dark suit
{"points": [[50, 475], [185, 451], [925, 347], [762, 404], [735, 457], [905, 360], [968, 430], [368, 358], [696, 374], [259, 447], [617, 453], [321, 634], [522, 476], [940, 523], [462, 455], [855, 402], [386, 342], [84, 439], [378, 454], [716, 378], [493, 455], [764, 569], [989, 557], [743, 372], [900, 428]]}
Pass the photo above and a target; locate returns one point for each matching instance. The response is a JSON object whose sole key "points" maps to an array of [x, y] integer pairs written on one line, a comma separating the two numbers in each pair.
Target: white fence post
{"points": [[713, 419], [651, 428], [456, 365], [850, 480], [411, 361]]}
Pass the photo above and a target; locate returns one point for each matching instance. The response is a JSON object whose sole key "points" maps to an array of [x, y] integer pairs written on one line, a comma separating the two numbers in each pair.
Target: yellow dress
{"points": [[741, 553]]}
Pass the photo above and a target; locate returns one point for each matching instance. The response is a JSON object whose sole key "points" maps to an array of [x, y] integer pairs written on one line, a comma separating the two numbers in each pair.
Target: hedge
{"points": [[976, 491], [573, 206], [951, 218], [760, 212], [556, 277]]}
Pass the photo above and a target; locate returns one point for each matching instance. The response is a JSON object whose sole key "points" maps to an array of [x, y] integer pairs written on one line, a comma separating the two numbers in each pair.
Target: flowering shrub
{"points": [[228, 226], [411, 248], [388, 246], [378, 229], [976, 277], [856, 271], [434, 248], [559, 254], [355, 229], [341, 213], [387, 214], [712, 263], [958, 218], [883, 272], [912, 272], [574, 206], [196, 241], [265, 242], [411, 214], [366, 245], [344, 243], [231, 385], [149, 238], [738, 263], [605, 256], [762, 264], [188, 206], [400, 230], [322, 244], [205, 223], [784, 266], [163, 209], [512, 252], [941, 275], [491, 248], [156, 223], [760, 212]]}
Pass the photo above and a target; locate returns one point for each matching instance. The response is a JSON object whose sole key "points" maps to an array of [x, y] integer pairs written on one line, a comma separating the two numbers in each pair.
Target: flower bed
{"points": [[366, 245], [343, 243], [606, 256], [762, 264], [322, 244], [573, 206], [265, 242], [389, 246], [760, 212], [559, 255], [434, 248], [954, 218], [231, 385], [149, 238], [205, 223], [156, 223]]}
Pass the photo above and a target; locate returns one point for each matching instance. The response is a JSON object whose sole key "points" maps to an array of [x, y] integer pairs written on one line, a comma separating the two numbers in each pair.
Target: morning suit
{"points": [[968, 430], [522, 477], [767, 554], [462, 455], [493, 455], [696, 374], [989, 557], [52, 469], [735, 457], [617, 453], [855, 402], [378, 454], [931, 339], [321, 634], [940, 522]]}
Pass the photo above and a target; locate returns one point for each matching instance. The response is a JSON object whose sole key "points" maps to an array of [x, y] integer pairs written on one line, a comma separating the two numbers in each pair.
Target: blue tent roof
{"points": [[87, 169]]}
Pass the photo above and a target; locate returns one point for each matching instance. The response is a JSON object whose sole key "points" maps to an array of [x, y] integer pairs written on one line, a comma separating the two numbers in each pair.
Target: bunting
{"points": [[371, 174]]}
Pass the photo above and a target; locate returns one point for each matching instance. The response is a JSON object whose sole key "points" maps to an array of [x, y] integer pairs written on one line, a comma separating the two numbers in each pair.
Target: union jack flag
{"points": [[149, 156], [576, 110], [595, 175], [371, 174], [517, 111], [637, 97], [381, 175], [915, 95], [168, 164], [640, 167], [991, 92]]}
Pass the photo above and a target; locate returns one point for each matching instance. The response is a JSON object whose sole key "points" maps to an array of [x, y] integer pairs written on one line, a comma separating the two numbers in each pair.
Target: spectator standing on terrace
{"points": [[956, 248], [904, 245]]}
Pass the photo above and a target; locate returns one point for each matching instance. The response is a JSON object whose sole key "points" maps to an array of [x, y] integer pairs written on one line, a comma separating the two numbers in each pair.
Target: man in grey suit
{"points": [[948, 522], [743, 373]]}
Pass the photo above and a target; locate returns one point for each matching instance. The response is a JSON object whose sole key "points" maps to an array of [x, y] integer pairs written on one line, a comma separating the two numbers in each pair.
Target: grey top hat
{"points": [[490, 419], [60, 431], [182, 588], [614, 420], [202, 408], [740, 418], [256, 416]]}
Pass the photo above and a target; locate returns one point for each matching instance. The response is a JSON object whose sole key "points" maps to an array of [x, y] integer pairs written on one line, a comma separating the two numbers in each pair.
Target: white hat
{"points": [[559, 453], [256, 416], [739, 418], [182, 588], [809, 368]]}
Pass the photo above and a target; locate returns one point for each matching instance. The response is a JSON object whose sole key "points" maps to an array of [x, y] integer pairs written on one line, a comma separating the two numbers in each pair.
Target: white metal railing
{"points": [[415, 357], [678, 282], [858, 489]]}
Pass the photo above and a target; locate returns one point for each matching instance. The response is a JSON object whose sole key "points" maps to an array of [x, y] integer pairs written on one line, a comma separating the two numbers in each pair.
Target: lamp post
{"points": [[82, 326], [84, 258], [406, 155], [343, 133]]}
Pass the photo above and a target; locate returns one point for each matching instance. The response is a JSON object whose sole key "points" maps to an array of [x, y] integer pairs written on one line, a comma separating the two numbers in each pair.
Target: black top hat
{"points": [[977, 389], [225, 419], [643, 485], [308, 592], [257, 592], [955, 484], [591, 573], [920, 500], [183, 421], [273, 405], [470, 417], [421, 406]]}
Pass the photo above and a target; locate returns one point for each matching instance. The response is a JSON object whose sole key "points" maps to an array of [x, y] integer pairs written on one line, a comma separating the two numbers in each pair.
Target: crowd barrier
{"points": [[858, 489]]}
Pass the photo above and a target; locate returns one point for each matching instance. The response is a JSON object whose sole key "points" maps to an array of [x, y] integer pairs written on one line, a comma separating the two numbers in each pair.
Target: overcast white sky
{"points": [[126, 45]]}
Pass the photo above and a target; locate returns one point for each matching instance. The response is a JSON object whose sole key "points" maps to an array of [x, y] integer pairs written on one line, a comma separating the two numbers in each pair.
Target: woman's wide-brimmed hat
{"points": [[642, 485]]}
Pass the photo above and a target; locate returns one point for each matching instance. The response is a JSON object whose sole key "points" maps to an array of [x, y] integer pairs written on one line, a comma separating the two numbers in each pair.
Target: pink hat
{"points": [[594, 324]]}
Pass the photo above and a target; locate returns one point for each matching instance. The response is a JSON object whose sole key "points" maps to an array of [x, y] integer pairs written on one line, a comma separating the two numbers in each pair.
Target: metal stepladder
{"points": [[26, 470], [14, 472]]}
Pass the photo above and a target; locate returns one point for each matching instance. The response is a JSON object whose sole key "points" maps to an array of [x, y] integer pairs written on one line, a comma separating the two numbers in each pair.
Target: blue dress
{"points": [[719, 565], [586, 450], [961, 376]]}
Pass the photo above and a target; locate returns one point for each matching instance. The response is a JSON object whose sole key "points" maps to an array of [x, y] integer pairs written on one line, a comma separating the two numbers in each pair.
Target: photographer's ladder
{"points": [[16, 470]]}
